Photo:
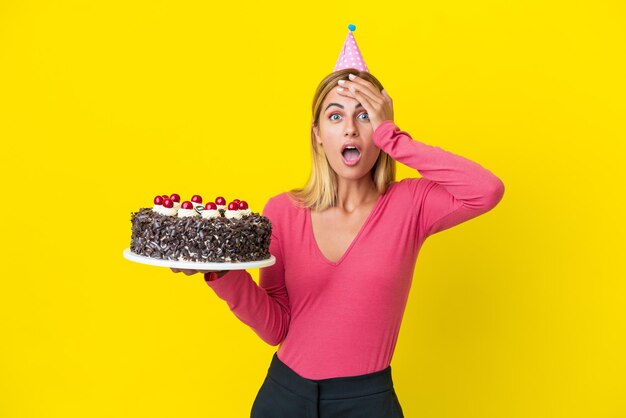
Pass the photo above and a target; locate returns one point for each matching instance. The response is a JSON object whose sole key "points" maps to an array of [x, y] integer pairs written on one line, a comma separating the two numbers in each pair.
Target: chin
{"points": [[353, 173], [352, 176]]}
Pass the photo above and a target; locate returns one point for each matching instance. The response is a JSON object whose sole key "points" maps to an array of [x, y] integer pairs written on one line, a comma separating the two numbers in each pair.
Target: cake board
{"points": [[196, 265]]}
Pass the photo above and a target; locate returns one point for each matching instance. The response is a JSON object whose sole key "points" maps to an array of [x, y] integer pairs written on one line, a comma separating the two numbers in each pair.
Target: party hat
{"points": [[350, 56]]}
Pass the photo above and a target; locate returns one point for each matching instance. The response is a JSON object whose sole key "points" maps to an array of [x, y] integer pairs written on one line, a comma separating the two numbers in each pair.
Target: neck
{"points": [[353, 193]]}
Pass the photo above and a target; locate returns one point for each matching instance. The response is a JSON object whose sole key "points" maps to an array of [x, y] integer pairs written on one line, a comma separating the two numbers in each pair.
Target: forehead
{"points": [[333, 97]]}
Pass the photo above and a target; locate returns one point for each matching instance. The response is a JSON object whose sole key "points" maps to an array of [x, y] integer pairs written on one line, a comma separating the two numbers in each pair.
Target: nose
{"points": [[350, 129]]}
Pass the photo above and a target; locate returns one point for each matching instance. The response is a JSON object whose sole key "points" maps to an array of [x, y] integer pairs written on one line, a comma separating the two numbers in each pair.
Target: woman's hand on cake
{"points": [[379, 105]]}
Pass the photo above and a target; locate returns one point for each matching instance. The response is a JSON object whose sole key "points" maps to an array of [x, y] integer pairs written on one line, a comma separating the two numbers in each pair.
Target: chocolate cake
{"points": [[193, 232]]}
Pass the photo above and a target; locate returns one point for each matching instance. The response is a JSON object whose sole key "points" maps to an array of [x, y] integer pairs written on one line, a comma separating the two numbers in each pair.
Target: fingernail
{"points": [[339, 89], [341, 82], [351, 76]]}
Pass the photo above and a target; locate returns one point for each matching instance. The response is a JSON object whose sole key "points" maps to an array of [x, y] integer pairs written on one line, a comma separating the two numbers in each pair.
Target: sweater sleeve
{"points": [[263, 307], [452, 189]]}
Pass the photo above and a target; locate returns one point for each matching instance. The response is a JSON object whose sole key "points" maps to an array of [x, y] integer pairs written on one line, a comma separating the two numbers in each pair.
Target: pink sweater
{"points": [[342, 319]]}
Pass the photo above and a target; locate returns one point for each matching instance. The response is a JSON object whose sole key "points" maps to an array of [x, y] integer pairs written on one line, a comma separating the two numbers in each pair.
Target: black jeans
{"points": [[286, 394]]}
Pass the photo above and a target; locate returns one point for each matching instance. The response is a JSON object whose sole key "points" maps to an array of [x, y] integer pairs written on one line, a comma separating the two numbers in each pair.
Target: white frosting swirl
{"points": [[221, 207], [160, 209], [169, 211], [245, 212], [184, 213], [176, 205], [233, 214], [210, 214]]}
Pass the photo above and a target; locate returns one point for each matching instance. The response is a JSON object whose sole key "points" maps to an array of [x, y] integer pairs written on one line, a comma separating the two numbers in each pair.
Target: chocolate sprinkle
{"points": [[216, 240]]}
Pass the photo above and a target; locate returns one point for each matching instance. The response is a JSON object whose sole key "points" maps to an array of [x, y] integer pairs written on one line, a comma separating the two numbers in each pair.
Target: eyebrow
{"points": [[337, 104]]}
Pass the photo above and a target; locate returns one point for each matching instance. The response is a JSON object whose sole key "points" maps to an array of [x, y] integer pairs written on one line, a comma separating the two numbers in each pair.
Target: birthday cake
{"points": [[193, 231]]}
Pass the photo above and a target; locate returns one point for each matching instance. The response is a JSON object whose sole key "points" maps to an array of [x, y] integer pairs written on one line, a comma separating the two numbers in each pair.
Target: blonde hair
{"points": [[320, 192]]}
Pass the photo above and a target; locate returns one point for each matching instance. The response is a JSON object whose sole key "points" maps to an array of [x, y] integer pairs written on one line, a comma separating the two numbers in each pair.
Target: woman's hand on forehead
{"points": [[379, 105]]}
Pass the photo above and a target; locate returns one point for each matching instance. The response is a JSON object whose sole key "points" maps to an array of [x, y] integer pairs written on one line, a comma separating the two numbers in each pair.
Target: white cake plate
{"points": [[196, 265]]}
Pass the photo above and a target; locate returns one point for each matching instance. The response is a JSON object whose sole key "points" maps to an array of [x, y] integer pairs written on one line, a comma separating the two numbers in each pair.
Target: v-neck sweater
{"points": [[339, 319]]}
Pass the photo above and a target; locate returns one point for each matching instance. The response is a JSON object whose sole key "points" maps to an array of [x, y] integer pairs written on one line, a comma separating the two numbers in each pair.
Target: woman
{"points": [[346, 246]]}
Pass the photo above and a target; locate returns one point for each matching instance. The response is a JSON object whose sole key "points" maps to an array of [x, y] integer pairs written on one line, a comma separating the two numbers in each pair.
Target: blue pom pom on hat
{"points": [[350, 55]]}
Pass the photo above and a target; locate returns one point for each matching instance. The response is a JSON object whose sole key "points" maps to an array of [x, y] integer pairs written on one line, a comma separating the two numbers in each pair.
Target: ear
{"points": [[316, 132]]}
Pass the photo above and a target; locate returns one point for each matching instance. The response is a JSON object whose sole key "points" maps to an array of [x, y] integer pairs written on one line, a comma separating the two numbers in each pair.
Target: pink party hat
{"points": [[350, 56]]}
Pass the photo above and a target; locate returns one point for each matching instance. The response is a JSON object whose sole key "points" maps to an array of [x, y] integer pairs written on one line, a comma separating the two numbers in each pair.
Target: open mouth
{"points": [[351, 155]]}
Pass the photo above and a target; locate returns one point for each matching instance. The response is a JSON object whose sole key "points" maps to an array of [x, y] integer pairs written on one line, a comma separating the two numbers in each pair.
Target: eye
{"points": [[336, 114]]}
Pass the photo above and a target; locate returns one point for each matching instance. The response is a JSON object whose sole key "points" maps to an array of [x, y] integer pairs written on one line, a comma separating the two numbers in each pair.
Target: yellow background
{"points": [[518, 313]]}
